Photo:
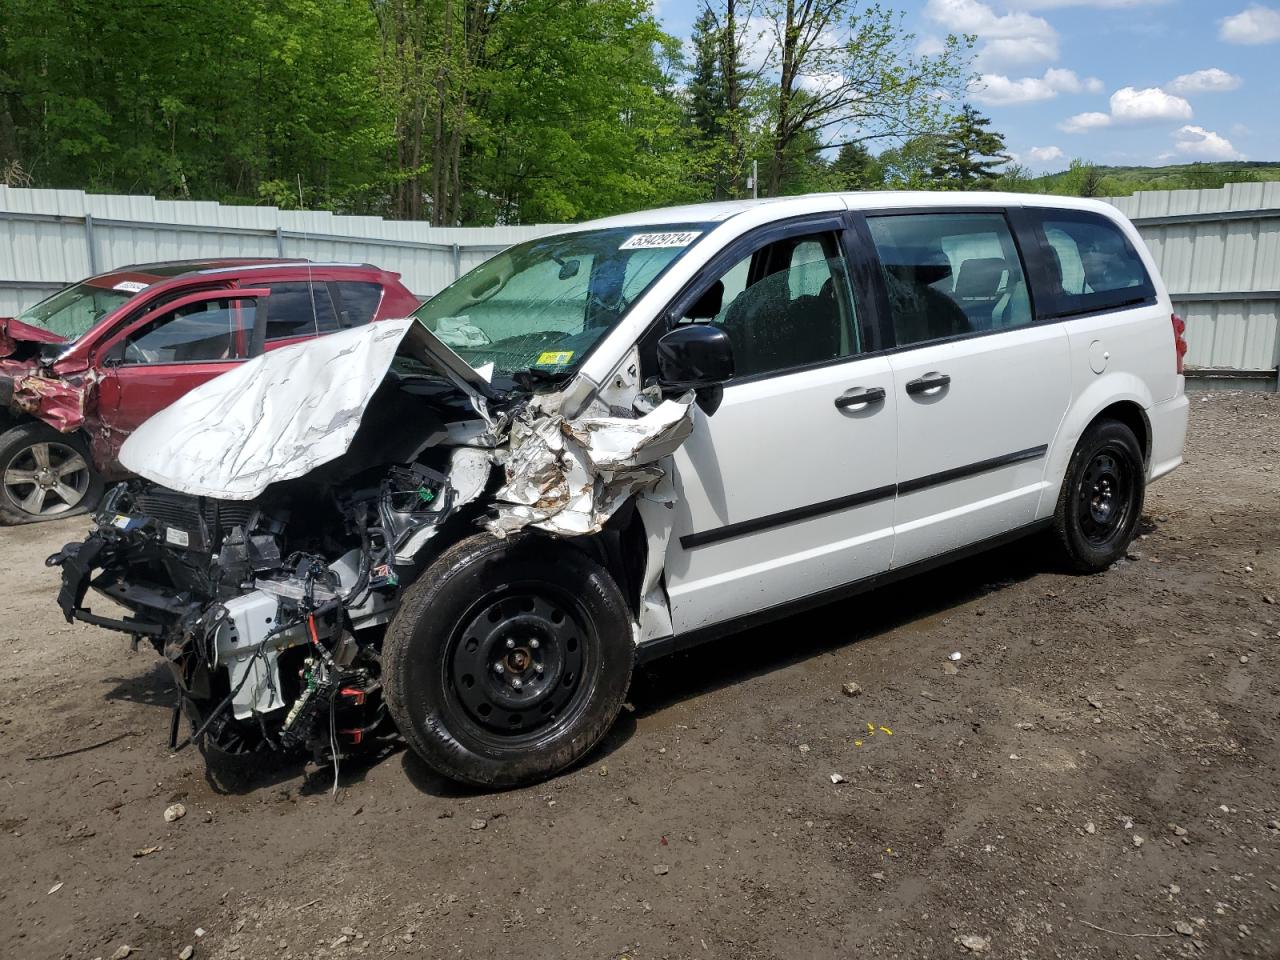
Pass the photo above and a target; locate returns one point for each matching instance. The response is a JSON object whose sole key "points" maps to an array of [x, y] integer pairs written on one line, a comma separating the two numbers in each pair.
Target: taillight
{"points": [[1179, 342]]}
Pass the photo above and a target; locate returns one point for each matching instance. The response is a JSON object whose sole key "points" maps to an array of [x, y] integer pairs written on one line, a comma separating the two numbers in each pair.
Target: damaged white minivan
{"points": [[608, 444]]}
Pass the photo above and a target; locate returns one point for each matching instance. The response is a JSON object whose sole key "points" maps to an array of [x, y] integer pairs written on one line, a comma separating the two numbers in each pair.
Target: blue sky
{"points": [[1114, 81]]}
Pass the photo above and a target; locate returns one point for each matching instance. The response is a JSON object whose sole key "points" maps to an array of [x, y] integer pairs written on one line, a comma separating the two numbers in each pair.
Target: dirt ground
{"points": [[1099, 778]]}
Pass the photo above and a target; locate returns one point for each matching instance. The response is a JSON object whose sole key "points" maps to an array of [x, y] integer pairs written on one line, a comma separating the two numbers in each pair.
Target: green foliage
{"points": [[969, 153], [498, 111], [154, 96], [854, 168], [1122, 181]]}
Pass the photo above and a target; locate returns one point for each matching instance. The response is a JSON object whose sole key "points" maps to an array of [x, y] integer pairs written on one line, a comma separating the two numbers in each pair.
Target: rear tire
{"points": [[1101, 499], [508, 660], [45, 475]]}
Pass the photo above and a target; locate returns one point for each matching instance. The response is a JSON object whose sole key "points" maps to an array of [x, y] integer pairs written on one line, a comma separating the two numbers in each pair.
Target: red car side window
{"points": [[360, 301], [297, 308], [199, 331]]}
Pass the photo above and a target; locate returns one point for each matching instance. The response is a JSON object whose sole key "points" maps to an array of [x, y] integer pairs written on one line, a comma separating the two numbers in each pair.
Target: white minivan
{"points": [[619, 440]]}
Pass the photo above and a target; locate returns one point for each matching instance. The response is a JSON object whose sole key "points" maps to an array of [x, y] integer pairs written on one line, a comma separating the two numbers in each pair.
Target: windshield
{"points": [[70, 313], [542, 305]]}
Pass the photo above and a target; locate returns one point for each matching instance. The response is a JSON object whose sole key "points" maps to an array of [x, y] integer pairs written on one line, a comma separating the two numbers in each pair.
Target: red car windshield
{"points": [[70, 313]]}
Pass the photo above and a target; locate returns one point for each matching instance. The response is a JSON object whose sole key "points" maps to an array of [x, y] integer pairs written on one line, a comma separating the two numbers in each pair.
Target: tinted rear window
{"points": [[299, 309], [1090, 266], [360, 300]]}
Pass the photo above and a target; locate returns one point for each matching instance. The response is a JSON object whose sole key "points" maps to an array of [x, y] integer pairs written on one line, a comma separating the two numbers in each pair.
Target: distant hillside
{"points": [[1084, 179]]}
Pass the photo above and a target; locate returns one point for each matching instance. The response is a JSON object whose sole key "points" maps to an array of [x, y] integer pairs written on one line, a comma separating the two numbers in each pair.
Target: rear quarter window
{"points": [[360, 299], [297, 308], [1090, 266]]}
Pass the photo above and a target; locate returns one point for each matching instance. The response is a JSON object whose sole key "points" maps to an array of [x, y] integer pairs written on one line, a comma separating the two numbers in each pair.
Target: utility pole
{"points": [[755, 180]]}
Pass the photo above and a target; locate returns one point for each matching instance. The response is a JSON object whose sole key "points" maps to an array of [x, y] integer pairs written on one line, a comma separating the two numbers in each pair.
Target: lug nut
{"points": [[534, 643], [497, 668], [515, 683], [537, 668], [511, 644]]}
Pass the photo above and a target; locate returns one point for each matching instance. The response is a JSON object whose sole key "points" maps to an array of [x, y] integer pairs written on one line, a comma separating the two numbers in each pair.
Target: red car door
{"points": [[162, 356]]}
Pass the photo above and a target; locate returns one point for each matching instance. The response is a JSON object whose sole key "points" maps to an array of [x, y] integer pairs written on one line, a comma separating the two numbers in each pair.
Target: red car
{"points": [[80, 370]]}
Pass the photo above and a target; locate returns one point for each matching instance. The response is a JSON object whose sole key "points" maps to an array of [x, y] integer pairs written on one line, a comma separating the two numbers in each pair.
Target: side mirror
{"points": [[696, 356]]}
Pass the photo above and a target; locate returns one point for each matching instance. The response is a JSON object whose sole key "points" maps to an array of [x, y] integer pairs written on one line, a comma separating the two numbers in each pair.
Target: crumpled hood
{"points": [[14, 332], [275, 417]]}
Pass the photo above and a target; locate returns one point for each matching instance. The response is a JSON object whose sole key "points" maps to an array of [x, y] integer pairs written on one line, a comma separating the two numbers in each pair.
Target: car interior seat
{"points": [[920, 311]]}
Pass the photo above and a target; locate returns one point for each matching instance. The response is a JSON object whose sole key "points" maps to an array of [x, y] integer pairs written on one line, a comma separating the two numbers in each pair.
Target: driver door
{"points": [[788, 490], [167, 353]]}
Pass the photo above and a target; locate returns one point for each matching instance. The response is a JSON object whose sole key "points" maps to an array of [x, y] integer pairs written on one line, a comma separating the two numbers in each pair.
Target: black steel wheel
{"points": [[508, 660], [1102, 496], [516, 666]]}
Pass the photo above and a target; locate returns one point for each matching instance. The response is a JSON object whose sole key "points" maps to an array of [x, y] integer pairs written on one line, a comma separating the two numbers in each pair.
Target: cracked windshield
{"points": [[542, 305]]}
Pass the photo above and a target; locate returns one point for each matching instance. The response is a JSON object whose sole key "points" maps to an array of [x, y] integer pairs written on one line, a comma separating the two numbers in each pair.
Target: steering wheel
{"points": [[133, 353]]}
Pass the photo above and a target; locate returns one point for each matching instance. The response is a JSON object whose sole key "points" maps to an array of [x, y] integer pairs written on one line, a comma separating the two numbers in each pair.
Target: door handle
{"points": [[930, 381], [860, 397]]}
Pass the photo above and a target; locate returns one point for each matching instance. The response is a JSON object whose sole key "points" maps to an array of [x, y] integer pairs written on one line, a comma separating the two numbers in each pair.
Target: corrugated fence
{"points": [[49, 238], [1219, 252]]}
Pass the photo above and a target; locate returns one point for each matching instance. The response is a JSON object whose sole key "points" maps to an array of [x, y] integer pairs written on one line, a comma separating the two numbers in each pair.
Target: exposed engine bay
{"points": [[265, 565]]}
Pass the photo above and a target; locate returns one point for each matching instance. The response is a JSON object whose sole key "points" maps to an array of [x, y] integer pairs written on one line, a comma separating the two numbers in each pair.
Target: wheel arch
{"points": [[1116, 396]]}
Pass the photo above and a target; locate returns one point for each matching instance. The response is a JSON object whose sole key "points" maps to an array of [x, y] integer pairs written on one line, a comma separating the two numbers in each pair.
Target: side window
{"points": [[298, 309], [1091, 266], [206, 330], [360, 300], [786, 305], [949, 275]]}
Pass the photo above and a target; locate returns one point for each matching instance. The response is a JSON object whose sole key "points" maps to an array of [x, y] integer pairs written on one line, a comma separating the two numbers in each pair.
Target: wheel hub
{"points": [[517, 662], [1104, 494], [1102, 503]]}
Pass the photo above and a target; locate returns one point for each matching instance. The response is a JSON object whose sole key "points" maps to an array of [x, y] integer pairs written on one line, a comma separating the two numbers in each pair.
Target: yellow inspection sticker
{"points": [[554, 358]]}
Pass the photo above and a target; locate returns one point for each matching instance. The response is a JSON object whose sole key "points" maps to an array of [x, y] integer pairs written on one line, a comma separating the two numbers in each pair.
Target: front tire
{"points": [[45, 475], [1101, 499], [508, 660]]}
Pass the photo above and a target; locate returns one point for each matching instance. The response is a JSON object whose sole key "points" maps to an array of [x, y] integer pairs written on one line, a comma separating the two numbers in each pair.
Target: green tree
{"points": [[854, 168], [1016, 178], [844, 66], [910, 165], [708, 106], [230, 100], [970, 153]]}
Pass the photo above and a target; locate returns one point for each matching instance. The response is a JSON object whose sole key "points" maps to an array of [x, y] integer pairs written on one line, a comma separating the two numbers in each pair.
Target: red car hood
{"points": [[14, 331]]}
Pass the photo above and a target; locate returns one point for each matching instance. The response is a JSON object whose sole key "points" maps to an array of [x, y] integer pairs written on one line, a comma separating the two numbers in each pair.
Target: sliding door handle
{"points": [[930, 381], [860, 397]]}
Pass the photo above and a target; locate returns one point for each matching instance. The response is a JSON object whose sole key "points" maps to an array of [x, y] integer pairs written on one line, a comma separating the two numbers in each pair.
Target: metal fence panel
{"points": [[1219, 254], [1218, 250], [49, 238]]}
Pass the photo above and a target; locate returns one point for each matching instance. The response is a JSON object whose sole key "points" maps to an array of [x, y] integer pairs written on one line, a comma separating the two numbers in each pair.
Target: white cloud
{"points": [[1083, 122], [1202, 144], [1046, 154], [1008, 38], [1015, 51], [1212, 80], [998, 90], [1130, 105], [1257, 24], [1104, 4]]}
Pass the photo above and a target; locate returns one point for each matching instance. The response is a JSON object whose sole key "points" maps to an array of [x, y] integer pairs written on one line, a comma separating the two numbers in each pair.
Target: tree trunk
{"points": [[782, 132], [729, 61]]}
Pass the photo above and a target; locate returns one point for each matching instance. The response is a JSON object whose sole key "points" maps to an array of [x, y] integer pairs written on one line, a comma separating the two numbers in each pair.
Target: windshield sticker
{"points": [[654, 241], [554, 358], [130, 286]]}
